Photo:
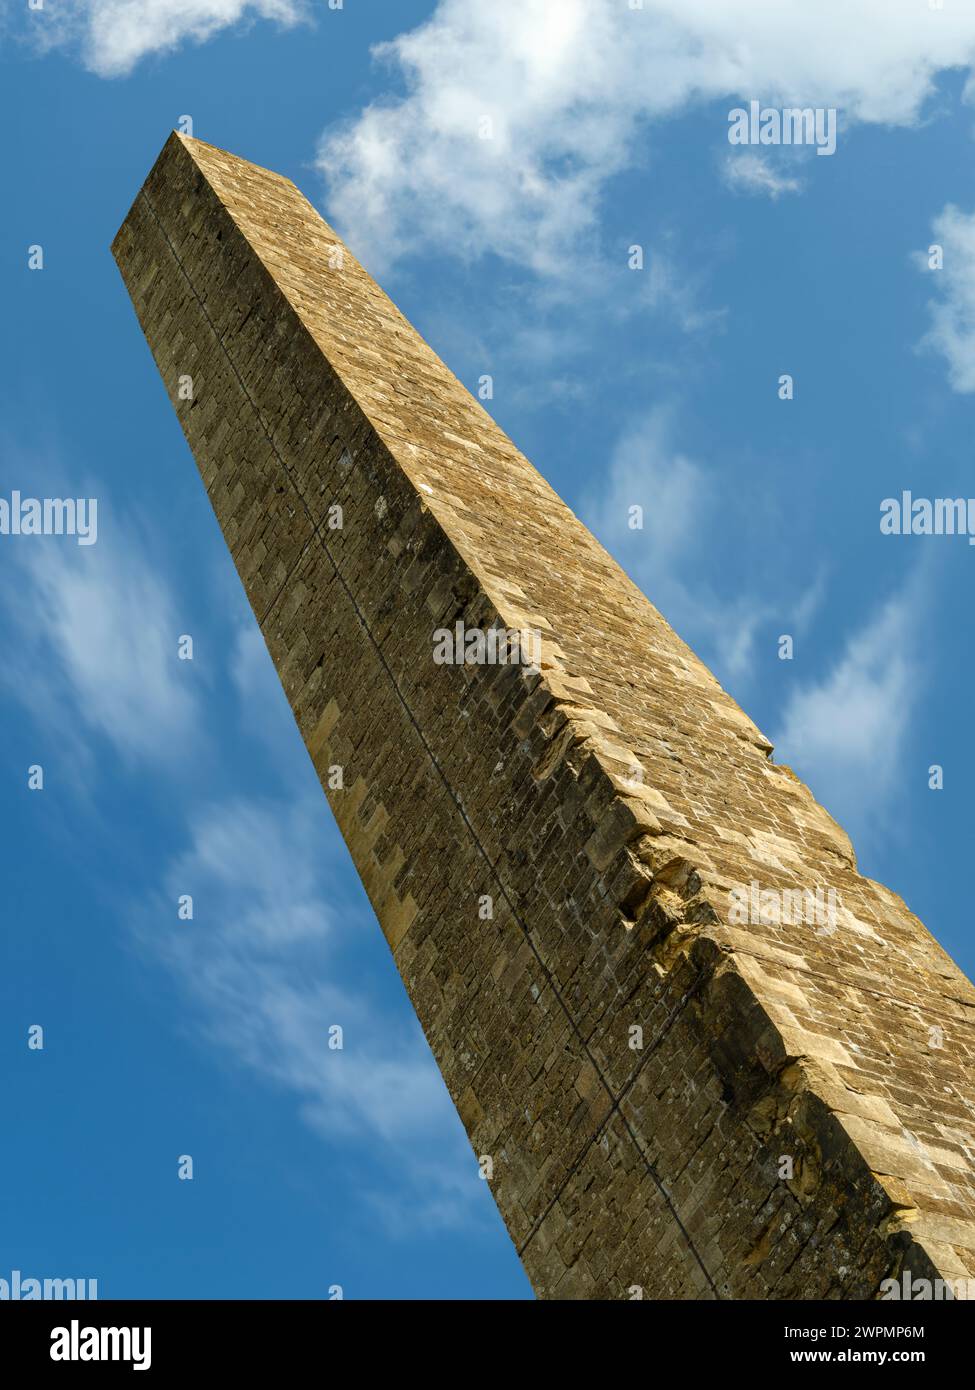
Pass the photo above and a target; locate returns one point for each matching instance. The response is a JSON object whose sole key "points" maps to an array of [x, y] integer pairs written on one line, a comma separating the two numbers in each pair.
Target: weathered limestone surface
{"points": [[607, 804]]}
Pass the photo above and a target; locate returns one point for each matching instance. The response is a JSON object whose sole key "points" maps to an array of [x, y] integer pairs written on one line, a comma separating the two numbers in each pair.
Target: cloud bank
{"points": [[517, 113]]}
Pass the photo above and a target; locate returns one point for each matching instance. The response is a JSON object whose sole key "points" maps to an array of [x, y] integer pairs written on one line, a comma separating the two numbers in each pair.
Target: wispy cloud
{"points": [[97, 643], [952, 332], [750, 173], [845, 730], [682, 502], [258, 963], [517, 113]]}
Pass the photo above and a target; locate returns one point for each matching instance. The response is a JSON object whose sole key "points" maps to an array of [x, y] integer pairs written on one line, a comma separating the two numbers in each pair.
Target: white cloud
{"points": [[96, 645], [952, 332], [114, 35], [240, 855], [258, 959], [846, 731], [571, 87], [750, 173], [683, 503]]}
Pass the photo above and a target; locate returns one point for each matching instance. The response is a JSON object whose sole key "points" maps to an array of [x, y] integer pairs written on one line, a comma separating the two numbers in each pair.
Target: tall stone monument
{"points": [[697, 1053]]}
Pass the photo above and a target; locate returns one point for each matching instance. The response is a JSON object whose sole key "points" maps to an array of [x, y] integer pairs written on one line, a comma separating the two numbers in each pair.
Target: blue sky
{"points": [[656, 387]]}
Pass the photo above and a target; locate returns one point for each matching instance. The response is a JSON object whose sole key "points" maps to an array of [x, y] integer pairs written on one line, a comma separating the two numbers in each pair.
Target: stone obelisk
{"points": [[697, 1053]]}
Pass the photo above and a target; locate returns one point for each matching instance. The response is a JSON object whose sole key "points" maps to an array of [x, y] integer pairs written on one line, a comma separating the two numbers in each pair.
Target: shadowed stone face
{"points": [[592, 877]]}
